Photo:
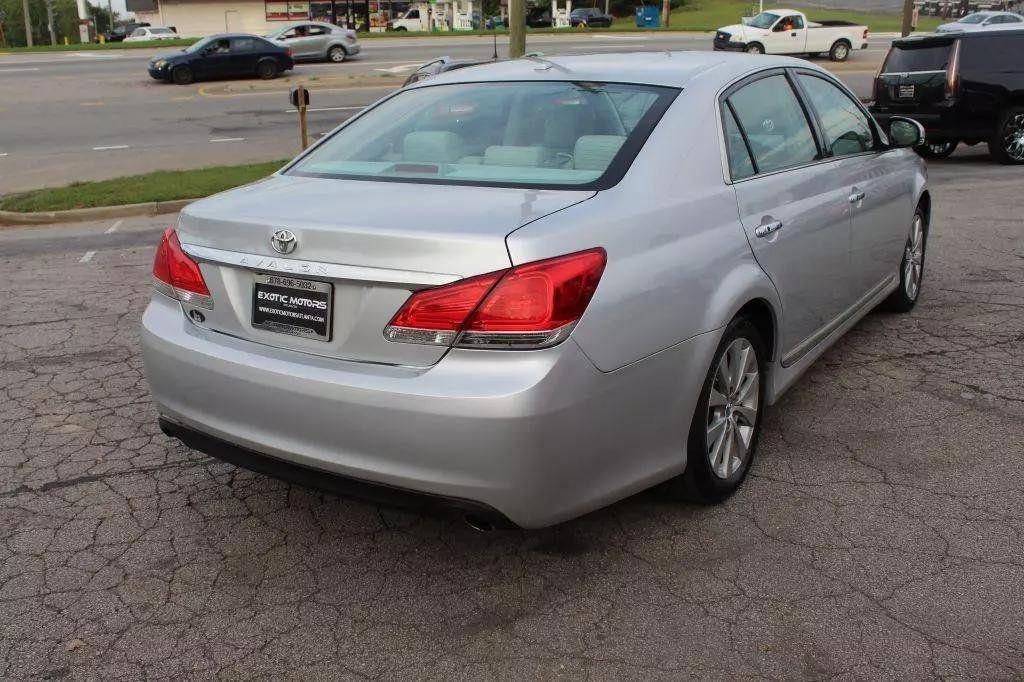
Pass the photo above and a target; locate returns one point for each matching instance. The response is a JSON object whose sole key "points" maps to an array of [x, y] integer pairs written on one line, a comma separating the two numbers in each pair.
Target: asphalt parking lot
{"points": [[881, 534]]}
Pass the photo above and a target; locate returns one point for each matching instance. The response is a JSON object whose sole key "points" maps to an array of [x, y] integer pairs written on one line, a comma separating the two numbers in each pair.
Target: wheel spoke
{"points": [[715, 454], [726, 453], [716, 398], [747, 413], [716, 427], [739, 447]]}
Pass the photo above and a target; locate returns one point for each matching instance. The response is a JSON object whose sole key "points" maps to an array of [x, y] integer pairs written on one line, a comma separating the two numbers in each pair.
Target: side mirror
{"points": [[905, 132]]}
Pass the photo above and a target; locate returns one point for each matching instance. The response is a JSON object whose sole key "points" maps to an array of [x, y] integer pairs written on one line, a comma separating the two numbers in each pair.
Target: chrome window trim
{"points": [[318, 269]]}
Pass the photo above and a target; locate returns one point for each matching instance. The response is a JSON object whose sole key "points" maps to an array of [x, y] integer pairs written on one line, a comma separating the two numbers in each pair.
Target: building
{"points": [[206, 17]]}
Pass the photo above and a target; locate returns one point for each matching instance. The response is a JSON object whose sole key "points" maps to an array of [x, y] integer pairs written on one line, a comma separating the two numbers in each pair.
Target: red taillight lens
{"points": [[177, 275], [288, 51], [865, 34], [530, 306]]}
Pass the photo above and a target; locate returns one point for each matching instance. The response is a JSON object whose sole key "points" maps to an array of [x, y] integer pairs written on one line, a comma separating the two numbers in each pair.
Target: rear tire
{"points": [[336, 54], [905, 297], [754, 48], [937, 150], [182, 75], [267, 69], [1007, 144], [728, 414], [840, 51]]}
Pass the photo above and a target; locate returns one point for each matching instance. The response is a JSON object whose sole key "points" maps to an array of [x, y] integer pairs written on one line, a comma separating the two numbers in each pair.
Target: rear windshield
{"points": [[925, 58], [512, 134]]}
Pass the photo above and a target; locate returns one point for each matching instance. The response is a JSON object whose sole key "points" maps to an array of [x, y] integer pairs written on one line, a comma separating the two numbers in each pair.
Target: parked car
{"points": [[412, 20], [145, 33], [589, 16], [223, 56], [538, 17], [441, 65], [787, 31], [119, 33], [543, 323], [983, 21], [962, 87], [311, 40]]}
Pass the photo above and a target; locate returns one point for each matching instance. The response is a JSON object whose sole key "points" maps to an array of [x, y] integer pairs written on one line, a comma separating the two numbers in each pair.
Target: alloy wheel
{"points": [[842, 52], [732, 408], [913, 259], [1013, 138]]}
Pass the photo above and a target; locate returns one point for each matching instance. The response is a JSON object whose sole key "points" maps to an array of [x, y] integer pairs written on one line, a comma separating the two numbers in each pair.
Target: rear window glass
{"points": [[517, 134], [930, 58]]}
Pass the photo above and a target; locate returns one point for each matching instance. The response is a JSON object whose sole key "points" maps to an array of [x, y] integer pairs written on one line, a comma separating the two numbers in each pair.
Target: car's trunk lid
{"points": [[372, 242]]}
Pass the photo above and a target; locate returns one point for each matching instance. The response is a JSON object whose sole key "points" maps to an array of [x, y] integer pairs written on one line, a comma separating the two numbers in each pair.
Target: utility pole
{"points": [[28, 23], [516, 28], [49, 21], [666, 9], [110, 8], [908, 16]]}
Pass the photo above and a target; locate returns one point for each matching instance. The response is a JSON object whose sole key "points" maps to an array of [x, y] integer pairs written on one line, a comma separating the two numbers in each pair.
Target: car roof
{"points": [[949, 36], [673, 69]]}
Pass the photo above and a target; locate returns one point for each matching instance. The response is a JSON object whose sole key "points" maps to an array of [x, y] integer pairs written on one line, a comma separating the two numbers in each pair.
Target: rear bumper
{"points": [[538, 436]]}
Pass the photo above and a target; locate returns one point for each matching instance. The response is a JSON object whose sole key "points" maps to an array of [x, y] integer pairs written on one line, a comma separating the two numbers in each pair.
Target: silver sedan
{"points": [[313, 40], [532, 288]]}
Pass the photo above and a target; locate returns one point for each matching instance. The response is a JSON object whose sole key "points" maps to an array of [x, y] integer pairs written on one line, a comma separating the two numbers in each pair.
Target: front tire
{"points": [[182, 75], [267, 69], [754, 48], [336, 54], [937, 150], [911, 267], [726, 424], [1007, 144], [840, 51]]}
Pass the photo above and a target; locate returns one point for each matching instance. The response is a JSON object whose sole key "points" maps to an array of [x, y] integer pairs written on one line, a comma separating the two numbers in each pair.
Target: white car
{"points": [[145, 33], [788, 31], [981, 21]]}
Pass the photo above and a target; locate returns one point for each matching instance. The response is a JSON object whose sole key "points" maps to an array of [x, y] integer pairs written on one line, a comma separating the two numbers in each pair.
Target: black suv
{"points": [[962, 87]]}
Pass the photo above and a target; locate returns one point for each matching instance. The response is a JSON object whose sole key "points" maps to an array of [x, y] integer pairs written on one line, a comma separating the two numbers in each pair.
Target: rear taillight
{"points": [[953, 73], [288, 51], [178, 276], [535, 305], [866, 34]]}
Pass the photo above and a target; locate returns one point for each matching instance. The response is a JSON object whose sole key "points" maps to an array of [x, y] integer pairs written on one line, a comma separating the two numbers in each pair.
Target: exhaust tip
{"points": [[479, 524]]}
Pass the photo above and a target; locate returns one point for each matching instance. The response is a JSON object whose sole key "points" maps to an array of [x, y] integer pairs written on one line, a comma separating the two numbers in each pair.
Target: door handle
{"points": [[765, 229], [856, 196]]}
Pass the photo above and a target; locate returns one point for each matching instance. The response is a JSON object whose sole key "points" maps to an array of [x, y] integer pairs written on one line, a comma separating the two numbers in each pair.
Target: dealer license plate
{"points": [[906, 91], [300, 307]]}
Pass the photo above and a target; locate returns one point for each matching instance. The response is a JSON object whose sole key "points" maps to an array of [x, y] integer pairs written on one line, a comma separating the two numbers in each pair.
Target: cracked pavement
{"points": [[880, 534]]}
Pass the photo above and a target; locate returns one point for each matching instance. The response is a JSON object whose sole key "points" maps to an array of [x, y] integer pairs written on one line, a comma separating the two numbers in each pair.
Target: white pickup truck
{"points": [[787, 31]]}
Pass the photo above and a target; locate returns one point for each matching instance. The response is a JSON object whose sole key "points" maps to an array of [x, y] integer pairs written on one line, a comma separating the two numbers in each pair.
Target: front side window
{"points": [[139, 32], [774, 123], [974, 19], [518, 134], [846, 128], [764, 20], [790, 23]]}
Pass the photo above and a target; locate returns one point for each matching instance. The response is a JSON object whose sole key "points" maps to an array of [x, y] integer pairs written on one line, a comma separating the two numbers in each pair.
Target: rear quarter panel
{"points": [[678, 260]]}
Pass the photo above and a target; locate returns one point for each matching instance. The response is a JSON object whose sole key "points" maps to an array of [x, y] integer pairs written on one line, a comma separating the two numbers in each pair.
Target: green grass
{"points": [[79, 47], [708, 15], [134, 189]]}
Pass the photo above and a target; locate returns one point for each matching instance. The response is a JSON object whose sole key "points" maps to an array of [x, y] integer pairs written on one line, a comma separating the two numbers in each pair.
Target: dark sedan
{"points": [[223, 56], [589, 16]]}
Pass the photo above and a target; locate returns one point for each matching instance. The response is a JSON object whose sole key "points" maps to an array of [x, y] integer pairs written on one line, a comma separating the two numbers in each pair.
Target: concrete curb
{"points": [[99, 213]]}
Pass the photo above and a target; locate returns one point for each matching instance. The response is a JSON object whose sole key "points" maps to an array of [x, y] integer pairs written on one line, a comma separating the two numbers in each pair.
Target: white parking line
{"points": [[30, 68], [113, 146], [87, 257], [311, 109], [227, 139], [3, 153], [113, 228]]}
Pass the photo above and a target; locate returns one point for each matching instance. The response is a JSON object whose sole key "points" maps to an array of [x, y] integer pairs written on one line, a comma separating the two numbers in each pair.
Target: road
{"points": [[880, 535], [95, 115]]}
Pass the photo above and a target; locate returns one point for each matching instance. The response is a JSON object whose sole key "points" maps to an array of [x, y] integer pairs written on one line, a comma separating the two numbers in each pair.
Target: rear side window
{"points": [[740, 165], [904, 59], [243, 44], [846, 128], [992, 54], [774, 123]]}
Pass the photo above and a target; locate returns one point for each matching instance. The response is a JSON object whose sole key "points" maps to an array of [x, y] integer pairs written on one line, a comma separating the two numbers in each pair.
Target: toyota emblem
{"points": [[283, 241]]}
